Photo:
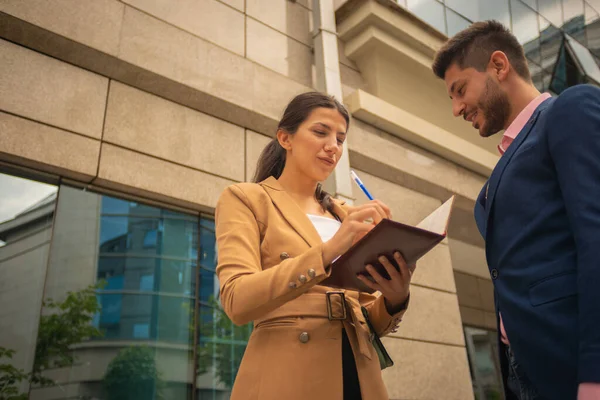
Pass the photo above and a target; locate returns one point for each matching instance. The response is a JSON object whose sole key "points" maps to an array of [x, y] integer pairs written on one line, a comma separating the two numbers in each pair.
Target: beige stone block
{"points": [[467, 290], [432, 316], [427, 371], [272, 93], [420, 165], [237, 4], [276, 51], [407, 206], [184, 58], [472, 317], [486, 293], [95, 23], [208, 19], [255, 143], [151, 125], [343, 58], [468, 258], [351, 80], [50, 91], [434, 270], [287, 17], [137, 173], [31, 144], [490, 321]]}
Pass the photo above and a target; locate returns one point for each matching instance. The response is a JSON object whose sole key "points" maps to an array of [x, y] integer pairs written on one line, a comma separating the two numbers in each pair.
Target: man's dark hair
{"points": [[473, 47]]}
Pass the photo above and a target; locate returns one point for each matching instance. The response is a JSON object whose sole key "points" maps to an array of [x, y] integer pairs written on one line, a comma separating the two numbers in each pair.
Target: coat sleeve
{"points": [[382, 321], [247, 291], [574, 144]]}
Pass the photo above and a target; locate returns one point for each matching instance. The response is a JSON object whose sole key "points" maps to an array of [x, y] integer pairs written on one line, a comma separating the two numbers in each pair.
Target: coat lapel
{"points": [[496, 177], [292, 213]]}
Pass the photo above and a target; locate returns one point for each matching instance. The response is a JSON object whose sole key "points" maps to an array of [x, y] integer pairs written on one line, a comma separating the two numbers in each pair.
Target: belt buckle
{"points": [[329, 307]]}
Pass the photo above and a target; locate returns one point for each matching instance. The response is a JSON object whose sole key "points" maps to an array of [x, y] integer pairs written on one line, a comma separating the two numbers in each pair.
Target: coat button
{"points": [[312, 273], [284, 256], [303, 337], [292, 285], [494, 273], [302, 278]]}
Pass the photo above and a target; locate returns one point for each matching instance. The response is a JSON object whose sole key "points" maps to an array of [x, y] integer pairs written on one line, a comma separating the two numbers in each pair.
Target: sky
{"points": [[17, 194]]}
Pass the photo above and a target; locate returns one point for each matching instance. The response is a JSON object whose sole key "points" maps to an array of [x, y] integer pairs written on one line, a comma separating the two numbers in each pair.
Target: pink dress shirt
{"points": [[587, 391]]}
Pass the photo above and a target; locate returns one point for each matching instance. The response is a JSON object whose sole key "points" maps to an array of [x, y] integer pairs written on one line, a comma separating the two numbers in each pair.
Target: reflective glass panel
{"points": [[455, 22], [551, 10], [429, 11], [585, 59], [550, 39], [524, 22], [485, 369], [480, 10], [572, 9], [592, 29], [27, 209]]}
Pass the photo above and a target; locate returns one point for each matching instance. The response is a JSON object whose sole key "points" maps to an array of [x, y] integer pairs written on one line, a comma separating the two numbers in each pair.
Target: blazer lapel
{"points": [[496, 177], [292, 213]]}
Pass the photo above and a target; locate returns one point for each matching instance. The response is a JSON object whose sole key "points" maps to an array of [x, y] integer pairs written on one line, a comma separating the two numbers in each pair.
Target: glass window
{"points": [[592, 29], [584, 58], [118, 284], [455, 22], [531, 3], [430, 11], [483, 361], [26, 218], [481, 10], [550, 39], [552, 10], [524, 22], [572, 9]]}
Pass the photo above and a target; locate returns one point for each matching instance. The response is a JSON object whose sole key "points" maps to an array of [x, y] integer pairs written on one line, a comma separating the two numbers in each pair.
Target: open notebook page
{"points": [[437, 221]]}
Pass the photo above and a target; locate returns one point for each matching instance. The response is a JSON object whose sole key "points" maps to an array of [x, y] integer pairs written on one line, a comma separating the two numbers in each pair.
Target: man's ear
{"points": [[284, 139], [499, 65]]}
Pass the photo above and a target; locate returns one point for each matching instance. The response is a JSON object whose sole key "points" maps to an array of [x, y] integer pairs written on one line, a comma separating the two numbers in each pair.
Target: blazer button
{"points": [[303, 337], [284, 256], [494, 273], [302, 278], [312, 273], [292, 285]]}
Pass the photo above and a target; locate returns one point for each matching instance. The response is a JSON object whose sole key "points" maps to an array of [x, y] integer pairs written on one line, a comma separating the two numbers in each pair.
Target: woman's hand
{"points": [[354, 227], [396, 289]]}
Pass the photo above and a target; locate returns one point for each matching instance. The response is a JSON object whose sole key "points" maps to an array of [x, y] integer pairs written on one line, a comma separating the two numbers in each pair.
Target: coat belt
{"points": [[316, 305]]}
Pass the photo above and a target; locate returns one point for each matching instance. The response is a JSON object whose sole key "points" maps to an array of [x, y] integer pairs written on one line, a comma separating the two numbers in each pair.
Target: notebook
{"points": [[387, 237]]}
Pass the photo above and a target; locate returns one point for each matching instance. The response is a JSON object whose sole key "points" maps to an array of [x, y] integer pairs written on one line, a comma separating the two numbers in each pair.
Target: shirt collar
{"points": [[517, 125]]}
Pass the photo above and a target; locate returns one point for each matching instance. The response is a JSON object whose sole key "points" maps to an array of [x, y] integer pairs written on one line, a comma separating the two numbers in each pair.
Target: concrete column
{"points": [[327, 64]]}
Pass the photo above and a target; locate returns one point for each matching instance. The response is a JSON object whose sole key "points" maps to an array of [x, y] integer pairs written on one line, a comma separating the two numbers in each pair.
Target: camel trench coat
{"points": [[269, 268]]}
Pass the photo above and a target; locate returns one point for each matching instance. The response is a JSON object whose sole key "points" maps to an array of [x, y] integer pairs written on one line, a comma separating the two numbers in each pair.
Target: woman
{"points": [[276, 241]]}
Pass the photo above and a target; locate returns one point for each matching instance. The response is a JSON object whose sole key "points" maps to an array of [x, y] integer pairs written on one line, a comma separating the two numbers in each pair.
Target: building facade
{"points": [[126, 119]]}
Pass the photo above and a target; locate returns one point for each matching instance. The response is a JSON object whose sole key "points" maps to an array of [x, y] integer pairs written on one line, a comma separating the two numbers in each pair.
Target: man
{"points": [[539, 213]]}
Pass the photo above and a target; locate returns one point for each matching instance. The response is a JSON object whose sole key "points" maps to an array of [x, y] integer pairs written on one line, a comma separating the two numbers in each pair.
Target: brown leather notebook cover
{"points": [[384, 239]]}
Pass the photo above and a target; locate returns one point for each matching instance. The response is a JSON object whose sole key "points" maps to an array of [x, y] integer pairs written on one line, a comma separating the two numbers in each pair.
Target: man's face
{"points": [[478, 98]]}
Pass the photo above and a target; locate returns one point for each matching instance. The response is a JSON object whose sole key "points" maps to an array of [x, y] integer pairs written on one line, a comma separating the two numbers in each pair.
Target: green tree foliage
{"points": [[133, 375], [62, 325]]}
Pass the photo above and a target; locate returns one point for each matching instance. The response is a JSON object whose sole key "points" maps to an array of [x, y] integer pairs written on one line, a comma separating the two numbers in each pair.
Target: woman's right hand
{"points": [[354, 227]]}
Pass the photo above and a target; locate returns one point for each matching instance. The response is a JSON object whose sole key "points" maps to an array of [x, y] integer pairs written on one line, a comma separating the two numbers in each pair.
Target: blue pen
{"points": [[360, 184]]}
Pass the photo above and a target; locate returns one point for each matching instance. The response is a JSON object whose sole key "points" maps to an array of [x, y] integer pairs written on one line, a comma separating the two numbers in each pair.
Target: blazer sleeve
{"points": [[247, 291], [574, 144]]}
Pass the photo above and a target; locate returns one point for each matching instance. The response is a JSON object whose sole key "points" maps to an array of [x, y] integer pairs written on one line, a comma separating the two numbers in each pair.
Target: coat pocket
{"points": [[554, 288], [277, 323]]}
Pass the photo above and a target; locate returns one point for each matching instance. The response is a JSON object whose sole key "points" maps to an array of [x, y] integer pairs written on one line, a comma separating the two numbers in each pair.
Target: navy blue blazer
{"points": [[539, 214]]}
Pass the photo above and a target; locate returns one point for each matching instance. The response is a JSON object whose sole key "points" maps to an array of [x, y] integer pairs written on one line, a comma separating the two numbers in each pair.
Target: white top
{"points": [[327, 227]]}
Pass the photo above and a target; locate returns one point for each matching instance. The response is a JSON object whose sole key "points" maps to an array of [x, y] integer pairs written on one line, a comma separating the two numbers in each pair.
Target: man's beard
{"points": [[495, 107]]}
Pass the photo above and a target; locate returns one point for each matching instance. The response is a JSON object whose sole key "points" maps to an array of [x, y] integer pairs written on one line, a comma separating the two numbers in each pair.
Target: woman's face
{"points": [[316, 147]]}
